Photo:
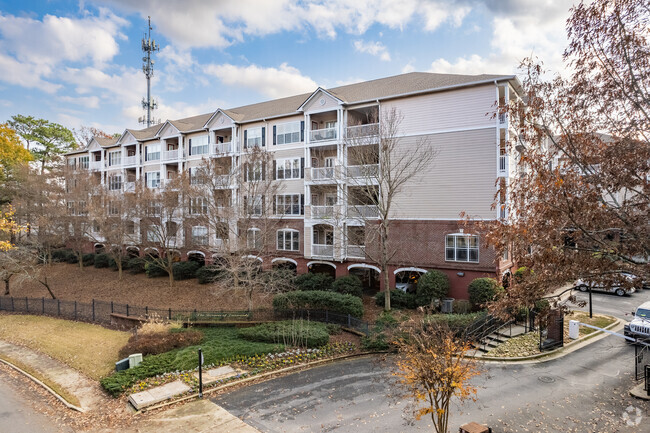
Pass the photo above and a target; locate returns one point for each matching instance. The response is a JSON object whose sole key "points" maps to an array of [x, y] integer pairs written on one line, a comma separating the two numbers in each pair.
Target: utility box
{"points": [[474, 427], [122, 364], [574, 329], [447, 305], [135, 360]]}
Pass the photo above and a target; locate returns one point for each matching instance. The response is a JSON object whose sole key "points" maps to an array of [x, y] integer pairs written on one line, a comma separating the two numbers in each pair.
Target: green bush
{"points": [[185, 270], [377, 339], [398, 299], [102, 260], [61, 255], [456, 322], [432, 286], [462, 306], [207, 274], [310, 282], [154, 270], [88, 259], [348, 285], [136, 265], [289, 332], [112, 263], [482, 291], [317, 300], [72, 258]]}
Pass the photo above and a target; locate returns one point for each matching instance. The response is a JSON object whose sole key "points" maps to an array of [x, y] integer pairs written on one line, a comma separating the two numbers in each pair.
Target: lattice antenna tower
{"points": [[149, 46]]}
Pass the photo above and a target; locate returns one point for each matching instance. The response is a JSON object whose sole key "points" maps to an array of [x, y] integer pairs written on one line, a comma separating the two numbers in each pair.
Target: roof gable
{"points": [[320, 100], [219, 120], [94, 145], [127, 138], [167, 130]]}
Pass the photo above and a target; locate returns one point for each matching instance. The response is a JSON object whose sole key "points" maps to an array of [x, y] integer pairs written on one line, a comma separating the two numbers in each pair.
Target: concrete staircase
{"points": [[498, 337]]}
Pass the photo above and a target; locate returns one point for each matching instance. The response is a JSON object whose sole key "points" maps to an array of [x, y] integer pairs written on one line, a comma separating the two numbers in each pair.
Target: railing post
{"points": [[75, 310], [58, 307], [26, 304], [127, 310], [43, 305], [146, 311], [170, 314], [112, 307], [349, 318], [12, 304], [93, 309], [327, 316]]}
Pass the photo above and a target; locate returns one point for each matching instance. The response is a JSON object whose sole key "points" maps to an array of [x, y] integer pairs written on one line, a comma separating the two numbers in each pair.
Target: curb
{"points": [[251, 378], [561, 351], [47, 388]]}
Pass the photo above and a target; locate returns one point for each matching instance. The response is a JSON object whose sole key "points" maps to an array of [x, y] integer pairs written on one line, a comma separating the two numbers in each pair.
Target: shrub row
{"points": [[289, 332], [318, 300], [456, 322], [483, 290], [346, 285], [160, 342], [398, 299]]}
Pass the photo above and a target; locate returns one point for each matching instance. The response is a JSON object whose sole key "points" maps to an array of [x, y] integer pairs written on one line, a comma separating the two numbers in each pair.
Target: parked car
{"points": [[617, 289], [639, 327], [408, 282]]}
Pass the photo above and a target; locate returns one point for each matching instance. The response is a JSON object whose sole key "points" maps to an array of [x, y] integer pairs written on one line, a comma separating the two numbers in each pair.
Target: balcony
{"points": [[326, 134], [170, 155], [324, 251], [323, 174], [362, 131], [95, 165], [130, 161], [363, 211], [503, 165], [221, 181], [503, 117], [322, 212], [220, 148], [129, 186], [363, 171], [356, 251]]}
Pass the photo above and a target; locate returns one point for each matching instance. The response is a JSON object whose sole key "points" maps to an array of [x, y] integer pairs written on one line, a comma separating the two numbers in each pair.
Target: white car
{"points": [[639, 327], [617, 289]]}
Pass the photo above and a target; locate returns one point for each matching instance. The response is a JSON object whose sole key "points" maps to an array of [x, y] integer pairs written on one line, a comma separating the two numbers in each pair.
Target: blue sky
{"points": [[79, 63]]}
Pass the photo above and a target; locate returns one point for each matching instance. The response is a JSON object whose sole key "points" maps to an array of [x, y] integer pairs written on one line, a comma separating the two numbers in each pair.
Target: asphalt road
{"points": [[586, 390]]}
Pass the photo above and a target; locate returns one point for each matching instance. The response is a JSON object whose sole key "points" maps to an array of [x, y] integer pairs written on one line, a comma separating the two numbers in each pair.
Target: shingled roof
{"points": [[106, 141]]}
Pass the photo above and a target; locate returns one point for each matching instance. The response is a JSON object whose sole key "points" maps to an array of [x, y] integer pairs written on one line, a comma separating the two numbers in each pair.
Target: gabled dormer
{"points": [[320, 100]]}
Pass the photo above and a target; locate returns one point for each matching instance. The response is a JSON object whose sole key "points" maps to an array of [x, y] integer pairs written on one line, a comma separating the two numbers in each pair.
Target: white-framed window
{"points": [[288, 240], [152, 152], [199, 235], [197, 176], [254, 238], [115, 158], [255, 171], [287, 204], [200, 145], [130, 227], [254, 137], [198, 206], [286, 133], [461, 247], [255, 205], [71, 208], [84, 162], [287, 168], [152, 179], [115, 182], [81, 208], [113, 208], [152, 235], [72, 163], [153, 208]]}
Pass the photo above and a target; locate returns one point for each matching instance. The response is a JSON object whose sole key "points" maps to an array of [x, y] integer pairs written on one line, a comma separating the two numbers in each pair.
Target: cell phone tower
{"points": [[148, 47]]}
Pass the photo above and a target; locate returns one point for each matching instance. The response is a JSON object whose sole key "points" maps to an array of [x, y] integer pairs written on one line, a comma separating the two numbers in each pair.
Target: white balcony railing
{"points": [[95, 165], [503, 212], [129, 161], [170, 155], [363, 211], [322, 173], [220, 148], [502, 118], [358, 131], [503, 165], [363, 171], [129, 186], [221, 181], [318, 250], [325, 134], [356, 251], [322, 211]]}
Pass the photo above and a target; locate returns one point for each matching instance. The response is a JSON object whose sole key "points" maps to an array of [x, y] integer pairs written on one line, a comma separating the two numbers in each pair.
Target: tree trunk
{"points": [[47, 286], [383, 245], [170, 269], [7, 293], [119, 269]]}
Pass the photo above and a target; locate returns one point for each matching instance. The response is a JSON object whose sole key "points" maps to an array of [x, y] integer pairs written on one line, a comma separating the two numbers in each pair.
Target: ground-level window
{"points": [[288, 240], [461, 247], [200, 235]]}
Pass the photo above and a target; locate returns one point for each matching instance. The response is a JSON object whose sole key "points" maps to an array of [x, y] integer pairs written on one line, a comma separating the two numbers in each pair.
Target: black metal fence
{"points": [[101, 312]]}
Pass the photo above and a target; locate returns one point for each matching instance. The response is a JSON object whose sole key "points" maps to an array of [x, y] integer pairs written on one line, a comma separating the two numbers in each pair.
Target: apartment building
{"points": [[307, 139]]}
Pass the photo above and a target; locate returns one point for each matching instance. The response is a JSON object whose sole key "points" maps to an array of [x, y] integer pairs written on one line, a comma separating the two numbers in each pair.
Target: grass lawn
{"points": [[90, 349], [219, 344], [581, 316]]}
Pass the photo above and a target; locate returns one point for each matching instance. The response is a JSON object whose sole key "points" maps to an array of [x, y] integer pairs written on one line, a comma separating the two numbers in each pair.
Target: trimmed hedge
{"points": [[102, 260], [482, 291], [160, 342], [456, 322], [310, 282], [61, 255], [318, 300], [348, 285], [72, 258], [153, 270], [207, 274], [398, 299], [289, 332], [185, 270], [136, 265], [433, 285], [112, 263], [88, 259]]}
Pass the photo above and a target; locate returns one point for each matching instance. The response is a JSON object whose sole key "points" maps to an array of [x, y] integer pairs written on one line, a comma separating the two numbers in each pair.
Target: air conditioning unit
{"points": [[447, 305]]}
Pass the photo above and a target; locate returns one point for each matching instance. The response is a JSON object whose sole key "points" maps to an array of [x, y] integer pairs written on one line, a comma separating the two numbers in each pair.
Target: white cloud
{"points": [[408, 68], [26, 74], [124, 85], [376, 49], [180, 58], [272, 82], [86, 101]]}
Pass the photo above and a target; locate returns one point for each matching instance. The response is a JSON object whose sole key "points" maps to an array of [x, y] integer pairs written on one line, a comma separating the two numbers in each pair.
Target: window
{"points": [[460, 247], [84, 162], [254, 205], [72, 163], [70, 208], [81, 209], [115, 158], [254, 239], [197, 176], [115, 182], [288, 240], [200, 235], [130, 227], [152, 179], [200, 145], [198, 206], [153, 208], [254, 171], [254, 137], [287, 168], [113, 208], [152, 152], [288, 204], [152, 235], [287, 133]]}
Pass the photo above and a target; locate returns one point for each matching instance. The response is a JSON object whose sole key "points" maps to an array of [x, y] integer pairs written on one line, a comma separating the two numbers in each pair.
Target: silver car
{"points": [[617, 289]]}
